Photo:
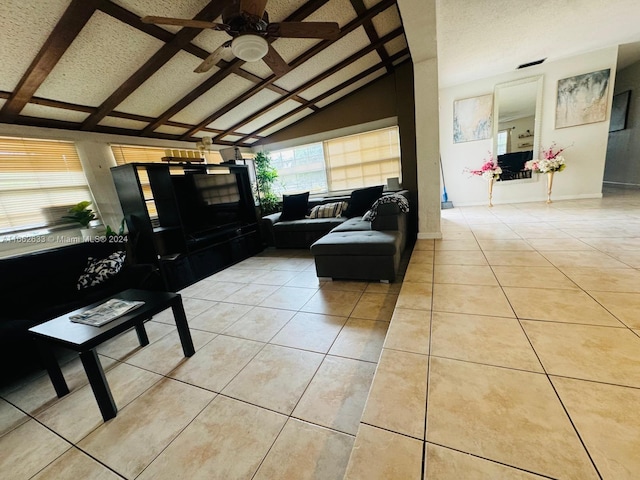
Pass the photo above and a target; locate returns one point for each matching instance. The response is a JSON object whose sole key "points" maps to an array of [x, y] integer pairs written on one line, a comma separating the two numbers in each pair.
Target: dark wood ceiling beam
{"points": [[64, 33], [356, 56], [351, 26], [303, 12], [360, 8], [328, 93], [209, 13]]}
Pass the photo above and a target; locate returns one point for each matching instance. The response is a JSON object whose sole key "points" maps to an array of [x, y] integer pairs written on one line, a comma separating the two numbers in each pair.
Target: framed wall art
{"points": [[582, 99], [472, 118]]}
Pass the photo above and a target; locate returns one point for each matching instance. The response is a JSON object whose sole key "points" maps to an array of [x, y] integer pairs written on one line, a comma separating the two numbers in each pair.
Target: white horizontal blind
{"points": [[363, 160], [39, 181]]}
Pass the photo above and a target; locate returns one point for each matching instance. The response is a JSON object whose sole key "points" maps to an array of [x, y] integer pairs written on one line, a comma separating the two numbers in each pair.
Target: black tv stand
{"points": [[163, 229]]}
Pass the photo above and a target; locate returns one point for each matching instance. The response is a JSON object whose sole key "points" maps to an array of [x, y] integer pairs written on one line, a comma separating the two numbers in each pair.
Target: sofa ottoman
{"points": [[359, 254]]}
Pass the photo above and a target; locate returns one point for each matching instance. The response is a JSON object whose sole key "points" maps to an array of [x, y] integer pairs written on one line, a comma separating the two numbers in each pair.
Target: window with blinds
{"points": [[39, 181], [363, 160]]}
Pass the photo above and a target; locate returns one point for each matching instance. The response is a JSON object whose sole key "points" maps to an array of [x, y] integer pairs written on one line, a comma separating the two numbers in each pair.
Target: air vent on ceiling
{"points": [[531, 64]]}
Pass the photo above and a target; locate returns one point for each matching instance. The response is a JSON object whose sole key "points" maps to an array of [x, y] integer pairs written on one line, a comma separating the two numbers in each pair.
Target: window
{"points": [[39, 181], [502, 142], [300, 169]]}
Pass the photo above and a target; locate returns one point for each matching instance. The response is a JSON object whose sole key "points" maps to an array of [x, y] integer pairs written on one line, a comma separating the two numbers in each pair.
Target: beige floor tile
{"points": [[336, 396], [310, 331], [234, 275], [421, 257], [77, 413], [333, 302], [217, 363], [306, 452], [130, 441], [459, 257], [381, 455], [126, 344], [581, 258], [306, 279], [213, 291], [273, 277], [629, 258], [419, 273], [260, 324], [345, 285], [360, 340], [409, 331], [276, 378], [387, 288], [219, 317], [289, 298], [75, 464], [625, 306], [473, 299], [27, 449], [489, 340], [446, 464], [464, 275], [424, 244], [533, 277], [401, 381], [561, 244], [571, 306], [508, 416], [227, 440], [602, 354], [166, 354], [293, 264], [416, 296], [375, 306], [606, 419], [504, 244], [10, 417], [251, 294], [521, 259], [605, 280], [468, 244], [192, 307]]}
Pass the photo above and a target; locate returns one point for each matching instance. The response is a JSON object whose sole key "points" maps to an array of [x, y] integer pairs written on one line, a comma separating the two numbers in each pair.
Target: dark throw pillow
{"points": [[99, 271], [361, 201], [294, 207]]}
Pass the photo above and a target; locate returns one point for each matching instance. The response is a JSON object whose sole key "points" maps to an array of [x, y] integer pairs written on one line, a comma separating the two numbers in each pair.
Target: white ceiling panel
{"points": [[24, 27], [212, 39], [351, 88], [33, 110], [164, 8], [387, 21], [340, 11], [171, 130], [371, 3], [329, 57], [288, 48], [257, 102], [123, 123], [251, 140], [258, 68], [224, 92], [231, 138], [394, 46], [105, 54], [278, 10], [360, 65], [277, 112], [402, 59], [285, 123], [164, 88]]}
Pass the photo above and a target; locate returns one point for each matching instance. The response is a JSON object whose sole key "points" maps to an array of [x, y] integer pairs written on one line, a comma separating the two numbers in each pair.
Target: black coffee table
{"points": [[84, 339]]}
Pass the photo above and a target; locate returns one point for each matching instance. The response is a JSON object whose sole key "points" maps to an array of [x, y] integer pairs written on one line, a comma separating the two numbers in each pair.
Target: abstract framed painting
{"points": [[619, 110], [472, 118], [582, 99]]}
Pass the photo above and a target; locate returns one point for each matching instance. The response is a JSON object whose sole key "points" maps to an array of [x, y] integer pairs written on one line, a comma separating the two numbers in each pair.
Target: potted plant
{"points": [[265, 176], [82, 214]]}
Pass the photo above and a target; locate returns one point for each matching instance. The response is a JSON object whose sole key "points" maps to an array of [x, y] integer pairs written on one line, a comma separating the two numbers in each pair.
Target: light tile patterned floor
{"points": [[513, 352]]}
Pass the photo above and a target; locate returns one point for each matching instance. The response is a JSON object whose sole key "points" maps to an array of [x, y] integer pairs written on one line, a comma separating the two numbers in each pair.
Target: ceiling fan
{"points": [[247, 22]]}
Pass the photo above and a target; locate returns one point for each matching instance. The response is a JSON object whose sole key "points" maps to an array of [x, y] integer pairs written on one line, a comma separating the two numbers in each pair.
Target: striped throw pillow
{"points": [[328, 210]]}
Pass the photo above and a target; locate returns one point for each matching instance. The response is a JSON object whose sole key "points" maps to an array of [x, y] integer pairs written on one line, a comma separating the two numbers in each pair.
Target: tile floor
{"points": [[514, 349], [513, 352], [276, 389]]}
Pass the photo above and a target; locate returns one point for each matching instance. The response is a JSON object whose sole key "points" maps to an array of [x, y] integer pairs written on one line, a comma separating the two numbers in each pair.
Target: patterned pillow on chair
{"points": [[99, 271]]}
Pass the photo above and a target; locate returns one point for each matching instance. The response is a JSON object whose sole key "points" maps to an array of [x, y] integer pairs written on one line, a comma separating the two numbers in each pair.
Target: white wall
{"points": [[585, 158]]}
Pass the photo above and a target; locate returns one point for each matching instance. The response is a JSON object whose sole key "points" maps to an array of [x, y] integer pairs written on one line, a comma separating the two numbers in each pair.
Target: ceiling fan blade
{"points": [[276, 62], [179, 22], [212, 59], [253, 7], [326, 30]]}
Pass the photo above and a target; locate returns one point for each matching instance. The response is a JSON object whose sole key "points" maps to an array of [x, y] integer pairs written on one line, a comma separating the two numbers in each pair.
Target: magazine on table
{"points": [[106, 312]]}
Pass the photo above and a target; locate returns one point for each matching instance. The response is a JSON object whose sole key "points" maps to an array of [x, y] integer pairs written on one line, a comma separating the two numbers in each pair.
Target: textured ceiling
{"points": [[92, 65]]}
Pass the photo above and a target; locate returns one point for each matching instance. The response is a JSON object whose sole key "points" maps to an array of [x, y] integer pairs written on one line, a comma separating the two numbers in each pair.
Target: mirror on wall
{"points": [[516, 126]]}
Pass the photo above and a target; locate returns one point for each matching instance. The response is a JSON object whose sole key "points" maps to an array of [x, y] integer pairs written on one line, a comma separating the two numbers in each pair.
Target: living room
{"points": [[269, 305]]}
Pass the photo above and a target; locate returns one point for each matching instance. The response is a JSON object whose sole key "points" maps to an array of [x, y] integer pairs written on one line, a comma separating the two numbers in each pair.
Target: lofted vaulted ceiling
{"points": [[93, 65]]}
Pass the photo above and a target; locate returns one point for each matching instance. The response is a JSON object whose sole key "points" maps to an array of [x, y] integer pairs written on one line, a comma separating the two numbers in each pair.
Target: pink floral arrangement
{"points": [[489, 170], [552, 160]]}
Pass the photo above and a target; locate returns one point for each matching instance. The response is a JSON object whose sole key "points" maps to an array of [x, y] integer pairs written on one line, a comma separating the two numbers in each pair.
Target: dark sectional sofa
{"points": [[346, 248]]}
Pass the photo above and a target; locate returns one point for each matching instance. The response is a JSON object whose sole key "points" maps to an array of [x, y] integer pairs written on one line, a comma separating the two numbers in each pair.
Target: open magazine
{"points": [[106, 312]]}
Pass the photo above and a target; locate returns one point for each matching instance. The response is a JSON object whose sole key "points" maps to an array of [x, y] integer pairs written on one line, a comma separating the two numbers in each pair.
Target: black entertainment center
{"points": [[191, 220]]}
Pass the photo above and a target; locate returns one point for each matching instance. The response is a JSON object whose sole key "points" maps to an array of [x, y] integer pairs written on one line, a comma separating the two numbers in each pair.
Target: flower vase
{"points": [[491, 180], [549, 185]]}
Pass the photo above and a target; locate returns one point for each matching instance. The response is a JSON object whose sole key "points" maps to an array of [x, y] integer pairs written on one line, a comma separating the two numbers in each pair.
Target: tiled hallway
{"points": [[513, 353]]}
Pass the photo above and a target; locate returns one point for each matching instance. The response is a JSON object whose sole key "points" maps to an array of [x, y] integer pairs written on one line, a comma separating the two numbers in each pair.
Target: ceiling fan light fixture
{"points": [[249, 47]]}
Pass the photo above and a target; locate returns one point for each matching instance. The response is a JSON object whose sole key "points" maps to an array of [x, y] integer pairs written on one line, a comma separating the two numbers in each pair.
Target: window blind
{"points": [[39, 181]]}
